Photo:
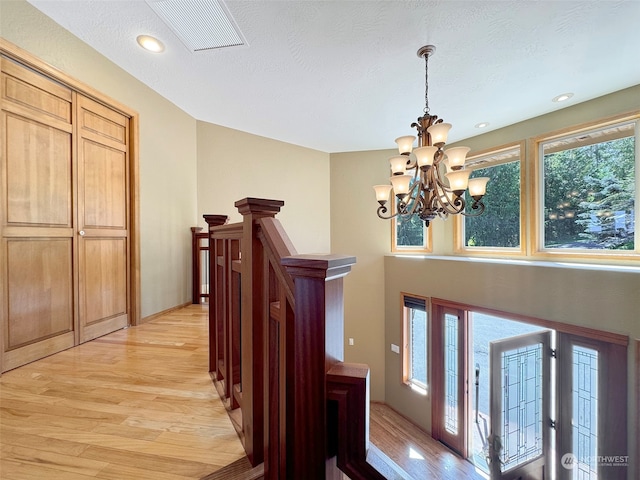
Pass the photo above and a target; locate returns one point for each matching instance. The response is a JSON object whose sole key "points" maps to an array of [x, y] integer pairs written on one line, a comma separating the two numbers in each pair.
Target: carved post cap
{"points": [[215, 220], [260, 206], [319, 266]]}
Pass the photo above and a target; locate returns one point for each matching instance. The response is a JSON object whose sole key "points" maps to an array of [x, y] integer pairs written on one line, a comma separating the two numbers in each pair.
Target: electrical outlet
{"points": [[351, 341], [395, 348]]}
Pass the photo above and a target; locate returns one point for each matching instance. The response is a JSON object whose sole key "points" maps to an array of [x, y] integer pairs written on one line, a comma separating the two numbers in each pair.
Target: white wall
{"points": [[167, 151]]}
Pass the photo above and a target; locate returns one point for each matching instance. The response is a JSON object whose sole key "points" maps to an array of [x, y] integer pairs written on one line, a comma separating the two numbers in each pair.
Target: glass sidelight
{"points": [[450, 407]]}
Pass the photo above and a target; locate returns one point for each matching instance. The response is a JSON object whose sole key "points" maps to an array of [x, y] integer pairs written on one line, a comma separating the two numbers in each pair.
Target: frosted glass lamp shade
{"points": [[458, 180], [401, 184], [456, 156], [405, 144], [439, 132], [425, 155], [478, 186], [398, 164], [382, 192]]}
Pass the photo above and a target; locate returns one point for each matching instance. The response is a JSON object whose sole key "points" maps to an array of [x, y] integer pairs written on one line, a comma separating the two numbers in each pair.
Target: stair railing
{"points": [[277, 349]]}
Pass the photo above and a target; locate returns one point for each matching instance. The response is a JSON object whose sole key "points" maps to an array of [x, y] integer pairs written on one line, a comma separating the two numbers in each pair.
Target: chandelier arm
{"points": [[413, 196], [382, 210], [451, 204], [477, 208]]}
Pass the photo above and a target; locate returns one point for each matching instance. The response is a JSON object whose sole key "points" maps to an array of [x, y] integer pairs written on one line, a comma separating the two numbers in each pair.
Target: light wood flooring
{"points": [[413, 450], [139, 404], [135, 404]]}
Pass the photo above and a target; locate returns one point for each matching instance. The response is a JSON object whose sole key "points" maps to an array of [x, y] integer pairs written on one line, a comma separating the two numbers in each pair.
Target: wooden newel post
{"points": [[196, 267], [214, 297], [253, 321], [316, 343]]}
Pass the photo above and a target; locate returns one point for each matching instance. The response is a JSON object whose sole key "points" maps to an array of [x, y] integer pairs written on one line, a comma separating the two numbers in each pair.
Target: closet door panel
{"points": [[38, 170], [103, 217], [40, 290], [21, 86], [105, 187], [37, 294], [104, 278]]}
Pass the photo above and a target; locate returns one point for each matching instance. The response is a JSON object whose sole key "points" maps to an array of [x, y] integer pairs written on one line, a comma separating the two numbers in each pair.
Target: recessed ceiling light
{"points": [[563, 97], [150, 43], [482, 125]]}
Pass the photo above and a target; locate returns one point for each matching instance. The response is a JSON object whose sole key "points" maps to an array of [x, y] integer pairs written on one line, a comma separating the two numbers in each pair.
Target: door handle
{"points": [[81, 232]]}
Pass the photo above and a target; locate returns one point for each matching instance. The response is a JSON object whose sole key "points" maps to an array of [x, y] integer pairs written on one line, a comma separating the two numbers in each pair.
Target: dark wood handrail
{"points": [[278, 246]]}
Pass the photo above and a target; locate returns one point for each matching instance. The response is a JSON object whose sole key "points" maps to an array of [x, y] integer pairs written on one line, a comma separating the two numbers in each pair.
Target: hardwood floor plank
{"points": [[57, 461], [12, 470], [39, 443], [121, 472], [151, 463]]}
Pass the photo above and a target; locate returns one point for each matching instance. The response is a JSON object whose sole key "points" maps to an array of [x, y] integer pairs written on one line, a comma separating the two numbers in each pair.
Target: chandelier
{"points": [[429, 181]]}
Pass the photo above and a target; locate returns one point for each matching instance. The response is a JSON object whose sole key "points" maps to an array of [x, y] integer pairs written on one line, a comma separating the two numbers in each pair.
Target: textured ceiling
{"points": [[344, 75]]}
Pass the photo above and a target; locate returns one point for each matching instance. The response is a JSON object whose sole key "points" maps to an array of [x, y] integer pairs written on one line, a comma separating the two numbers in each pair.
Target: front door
{"points": [[520, 376]]}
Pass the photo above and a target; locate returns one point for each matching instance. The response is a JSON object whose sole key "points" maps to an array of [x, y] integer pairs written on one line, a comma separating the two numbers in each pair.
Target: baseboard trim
{"points": [[163, 312]]}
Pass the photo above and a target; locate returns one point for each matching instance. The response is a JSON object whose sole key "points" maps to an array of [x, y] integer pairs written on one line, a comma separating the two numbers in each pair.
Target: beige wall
{"points": [[233, 165], [356, 230], [608, 300], [167, 151]]}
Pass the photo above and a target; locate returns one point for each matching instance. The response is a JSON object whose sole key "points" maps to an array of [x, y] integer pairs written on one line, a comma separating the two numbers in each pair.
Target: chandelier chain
{"points": [[426, 84]]}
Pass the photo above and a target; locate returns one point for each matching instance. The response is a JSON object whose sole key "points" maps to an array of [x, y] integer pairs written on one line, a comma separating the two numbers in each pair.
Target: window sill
{"points": [[522, 262], [416, 388]]}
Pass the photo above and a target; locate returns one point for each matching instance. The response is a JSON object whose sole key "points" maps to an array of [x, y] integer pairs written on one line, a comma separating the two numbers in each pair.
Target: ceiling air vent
{"points": [[200, 24]]}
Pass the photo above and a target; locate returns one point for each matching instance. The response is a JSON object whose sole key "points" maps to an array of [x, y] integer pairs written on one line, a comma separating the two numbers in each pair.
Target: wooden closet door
{"points": [[103, 218], [36, 216]]}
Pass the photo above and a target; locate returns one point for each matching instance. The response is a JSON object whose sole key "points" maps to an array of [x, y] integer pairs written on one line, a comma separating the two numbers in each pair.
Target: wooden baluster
{"points": [[254, 318], [215, 300], [315, 343], [195, 265], [235, 362]]}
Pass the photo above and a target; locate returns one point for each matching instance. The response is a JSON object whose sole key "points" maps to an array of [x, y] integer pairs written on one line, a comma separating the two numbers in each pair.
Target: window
{"points": [[414, 342], [588, 191], [410, 234], [500, 226]]}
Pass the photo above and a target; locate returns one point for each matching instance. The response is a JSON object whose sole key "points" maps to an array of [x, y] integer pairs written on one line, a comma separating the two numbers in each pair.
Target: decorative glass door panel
{"points": [[585, 413], [451, 373], [520, 381]]}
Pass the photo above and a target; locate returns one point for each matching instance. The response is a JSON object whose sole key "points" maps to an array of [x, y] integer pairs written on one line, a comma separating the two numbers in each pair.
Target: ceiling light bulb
{"points": [[482, 125], [150, 43], [563, 97]]}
